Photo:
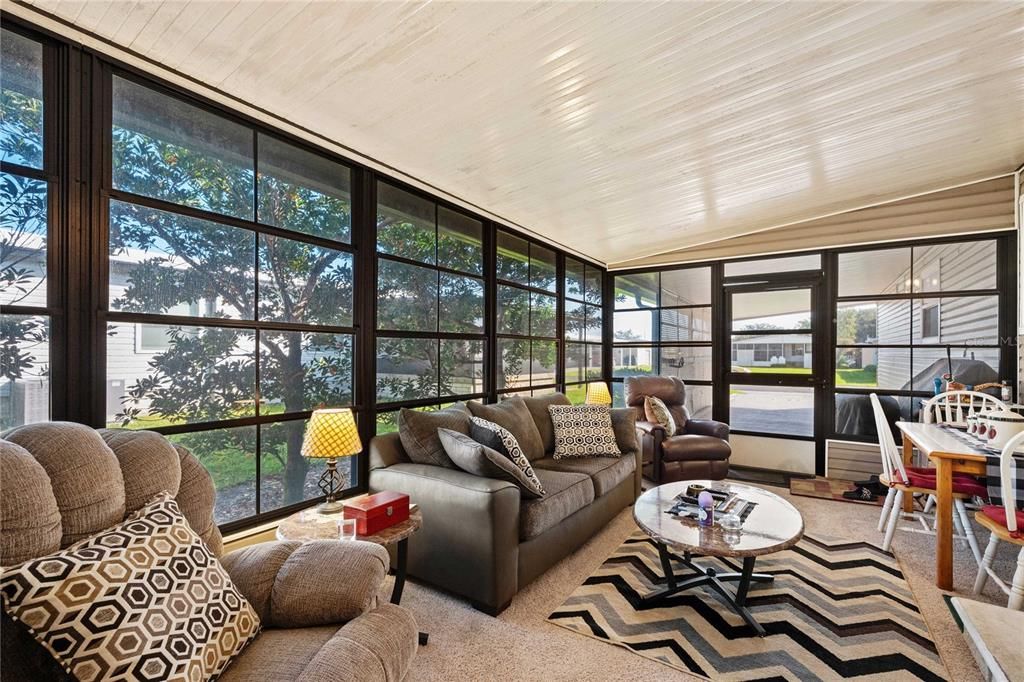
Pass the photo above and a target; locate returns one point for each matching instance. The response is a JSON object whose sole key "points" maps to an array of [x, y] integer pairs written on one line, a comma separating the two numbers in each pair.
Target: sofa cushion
{"points": [[418, 433], [583, 431], [606, 472], [513, 415], [692, 447], [504, 443], [480, 460], [538, 407], [567, 493], [151, 570]]}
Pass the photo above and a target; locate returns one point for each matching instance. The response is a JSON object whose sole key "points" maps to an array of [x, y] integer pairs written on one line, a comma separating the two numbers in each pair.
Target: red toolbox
{"points": [[374, 513]]}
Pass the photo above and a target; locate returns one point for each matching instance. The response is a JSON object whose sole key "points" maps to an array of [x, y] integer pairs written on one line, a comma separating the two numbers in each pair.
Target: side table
{"points": [[310, 524]]}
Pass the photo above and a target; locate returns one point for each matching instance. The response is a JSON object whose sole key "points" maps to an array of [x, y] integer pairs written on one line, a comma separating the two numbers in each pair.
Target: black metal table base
{"points": [[716, 581], [399, 586]]}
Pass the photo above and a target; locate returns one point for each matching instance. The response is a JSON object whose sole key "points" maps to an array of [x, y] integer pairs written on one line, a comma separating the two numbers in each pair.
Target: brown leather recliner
{"points": [[699, 449]]}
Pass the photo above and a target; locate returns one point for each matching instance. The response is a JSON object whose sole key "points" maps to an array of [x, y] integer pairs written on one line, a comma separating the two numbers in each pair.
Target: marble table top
{"points": [[309, 524], [772, 526]]}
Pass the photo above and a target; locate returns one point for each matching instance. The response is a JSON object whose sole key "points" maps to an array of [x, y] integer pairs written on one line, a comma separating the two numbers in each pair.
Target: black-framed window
{"points": [[30, 288], [662, 325], [431, 346], [526, 316], [229, 293], [583, 327], [906, 315]]}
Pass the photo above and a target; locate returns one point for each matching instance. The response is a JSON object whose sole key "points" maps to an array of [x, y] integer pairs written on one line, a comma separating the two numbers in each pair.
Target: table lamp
{"points": [[597, 393], [331, 434]]}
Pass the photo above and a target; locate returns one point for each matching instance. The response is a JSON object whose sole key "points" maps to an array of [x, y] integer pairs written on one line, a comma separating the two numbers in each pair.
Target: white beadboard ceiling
{"points": [[620, 129]]}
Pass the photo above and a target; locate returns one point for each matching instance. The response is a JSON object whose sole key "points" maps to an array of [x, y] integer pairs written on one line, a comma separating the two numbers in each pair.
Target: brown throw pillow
{"points": [[480, 460], [418, 432], [657, 411], [538, 407], [145, 596], [513, 415]]}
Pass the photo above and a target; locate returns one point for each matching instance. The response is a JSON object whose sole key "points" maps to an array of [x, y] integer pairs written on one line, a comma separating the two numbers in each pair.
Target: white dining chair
{"points": [[902, 480], [954, 407], [1004, 523]]}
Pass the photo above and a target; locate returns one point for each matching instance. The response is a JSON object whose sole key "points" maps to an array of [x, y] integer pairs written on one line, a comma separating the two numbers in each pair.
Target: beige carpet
{"points": [[520, 645]]}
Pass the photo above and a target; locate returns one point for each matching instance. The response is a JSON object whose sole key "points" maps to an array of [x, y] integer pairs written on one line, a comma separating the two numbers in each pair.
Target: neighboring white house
{"points": [[779, 350]]}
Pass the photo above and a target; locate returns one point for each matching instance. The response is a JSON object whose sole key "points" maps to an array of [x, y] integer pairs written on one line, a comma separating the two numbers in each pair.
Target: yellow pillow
{"points": [[657, 411]]}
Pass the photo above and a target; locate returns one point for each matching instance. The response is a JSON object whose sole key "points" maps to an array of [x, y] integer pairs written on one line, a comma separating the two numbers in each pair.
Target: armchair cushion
{"points": [[376, 647], [286, 582], [691, 447]]}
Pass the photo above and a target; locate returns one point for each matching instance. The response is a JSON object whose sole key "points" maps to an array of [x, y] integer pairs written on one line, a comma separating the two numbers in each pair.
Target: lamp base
{"points": [[333, 507]]}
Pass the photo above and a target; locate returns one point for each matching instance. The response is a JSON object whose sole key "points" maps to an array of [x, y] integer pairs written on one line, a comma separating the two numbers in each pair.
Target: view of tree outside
{"points": [[583, 328], [288, 348], [24, 235], [526, 317], [430, 303]]}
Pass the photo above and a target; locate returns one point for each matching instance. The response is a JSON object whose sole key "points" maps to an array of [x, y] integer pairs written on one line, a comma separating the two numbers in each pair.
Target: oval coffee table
{"points": [[772, 526]]}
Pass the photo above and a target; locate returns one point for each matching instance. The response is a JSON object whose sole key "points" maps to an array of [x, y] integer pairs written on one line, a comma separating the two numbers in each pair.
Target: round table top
{"points": [[309, 524], [772, 526]]}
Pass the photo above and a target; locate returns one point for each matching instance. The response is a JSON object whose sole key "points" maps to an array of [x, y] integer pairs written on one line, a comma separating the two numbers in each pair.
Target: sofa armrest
{"points": [[284, 581], [707, 427], [468, 521], [376, 647]]}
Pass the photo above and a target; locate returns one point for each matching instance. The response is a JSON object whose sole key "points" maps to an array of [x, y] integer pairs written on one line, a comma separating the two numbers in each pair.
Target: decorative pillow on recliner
{"points": [[142, 600], [583, 431], [657, 411], [501, 439]]}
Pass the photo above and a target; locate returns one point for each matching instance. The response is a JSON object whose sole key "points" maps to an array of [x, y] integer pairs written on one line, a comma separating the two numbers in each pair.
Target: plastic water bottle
{"points": [[705, 509]]}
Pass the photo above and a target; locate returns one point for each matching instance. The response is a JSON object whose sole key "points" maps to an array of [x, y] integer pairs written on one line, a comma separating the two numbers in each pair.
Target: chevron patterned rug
{"points": [[835, 610]]}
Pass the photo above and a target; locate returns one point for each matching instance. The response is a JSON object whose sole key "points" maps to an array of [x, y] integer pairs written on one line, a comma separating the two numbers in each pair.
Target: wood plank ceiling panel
{"points": [[623, 130]]}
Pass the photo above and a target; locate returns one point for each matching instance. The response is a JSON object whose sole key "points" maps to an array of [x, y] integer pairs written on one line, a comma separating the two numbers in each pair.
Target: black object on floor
{"points": [[862, 492]]}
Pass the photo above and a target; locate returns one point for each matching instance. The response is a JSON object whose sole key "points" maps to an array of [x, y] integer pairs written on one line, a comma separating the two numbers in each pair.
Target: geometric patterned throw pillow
{"points": [[501, 439], [583, 431], [143, 600]]}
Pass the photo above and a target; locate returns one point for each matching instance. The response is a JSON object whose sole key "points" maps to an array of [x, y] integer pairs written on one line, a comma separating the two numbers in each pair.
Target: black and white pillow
{"points": [[501, 439], [583, 431]]}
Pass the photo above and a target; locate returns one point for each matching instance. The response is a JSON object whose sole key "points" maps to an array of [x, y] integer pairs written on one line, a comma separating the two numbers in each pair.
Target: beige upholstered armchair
{"points": [[317, 601]]}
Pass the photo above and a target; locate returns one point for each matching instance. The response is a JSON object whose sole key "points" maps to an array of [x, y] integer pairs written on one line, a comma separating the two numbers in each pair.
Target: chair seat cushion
{"points": [[693, 447], [963, 486], [998, 514], [930, 472], [606, 472], [278, 654], [567, 493]]}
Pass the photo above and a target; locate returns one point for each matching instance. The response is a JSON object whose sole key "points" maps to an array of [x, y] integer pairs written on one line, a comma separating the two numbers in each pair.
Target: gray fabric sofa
{"points": [[317, 601], [484, 541]]}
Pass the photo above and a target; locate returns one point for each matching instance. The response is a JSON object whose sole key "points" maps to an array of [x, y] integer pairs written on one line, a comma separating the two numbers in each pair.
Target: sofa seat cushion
{"points": [[567, 493], [605, 472], [693, 447]]}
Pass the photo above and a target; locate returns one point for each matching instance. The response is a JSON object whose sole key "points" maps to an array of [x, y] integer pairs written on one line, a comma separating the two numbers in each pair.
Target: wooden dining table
{"points": [[949, 454]]}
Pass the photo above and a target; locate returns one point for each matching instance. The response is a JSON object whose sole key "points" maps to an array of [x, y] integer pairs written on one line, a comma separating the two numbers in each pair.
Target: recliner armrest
{"points": [[707, 427], [651, 428]]}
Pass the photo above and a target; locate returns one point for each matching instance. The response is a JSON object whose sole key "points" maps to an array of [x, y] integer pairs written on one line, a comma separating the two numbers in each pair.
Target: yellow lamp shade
{"points": [[597, 393], [331, 433]]}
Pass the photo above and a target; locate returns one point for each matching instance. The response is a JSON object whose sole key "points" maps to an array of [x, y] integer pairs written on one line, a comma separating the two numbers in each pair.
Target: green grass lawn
{"points": [[844, 377]]}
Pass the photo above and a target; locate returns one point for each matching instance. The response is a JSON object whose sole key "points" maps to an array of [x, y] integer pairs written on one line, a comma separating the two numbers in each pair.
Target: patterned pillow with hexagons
{"points": [[143, 600]]}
